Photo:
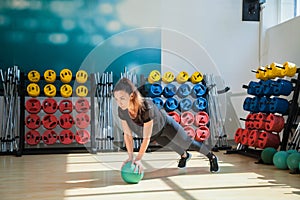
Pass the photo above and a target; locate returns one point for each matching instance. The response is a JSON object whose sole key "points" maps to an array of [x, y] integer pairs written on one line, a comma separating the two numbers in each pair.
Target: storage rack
{"points": [[293, 114], [72, 148]]}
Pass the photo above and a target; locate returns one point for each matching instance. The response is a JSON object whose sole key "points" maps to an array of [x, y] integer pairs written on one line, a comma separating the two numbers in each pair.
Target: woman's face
{"points": [[122, 99]]}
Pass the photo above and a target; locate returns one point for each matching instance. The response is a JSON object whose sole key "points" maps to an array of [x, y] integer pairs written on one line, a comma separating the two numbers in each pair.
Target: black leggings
{"points": [[174, 137]]}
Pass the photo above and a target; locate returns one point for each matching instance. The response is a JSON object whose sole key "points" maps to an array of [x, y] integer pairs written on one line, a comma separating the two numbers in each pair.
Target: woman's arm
{"points": [[128, 139], [146, 139]]}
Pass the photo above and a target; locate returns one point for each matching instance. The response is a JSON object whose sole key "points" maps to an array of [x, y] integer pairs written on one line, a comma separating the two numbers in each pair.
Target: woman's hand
{"points": [[129, 159], [139, 165]]}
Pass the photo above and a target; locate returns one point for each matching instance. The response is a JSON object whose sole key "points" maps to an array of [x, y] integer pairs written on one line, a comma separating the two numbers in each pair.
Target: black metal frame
{"points": [[57, 150]]}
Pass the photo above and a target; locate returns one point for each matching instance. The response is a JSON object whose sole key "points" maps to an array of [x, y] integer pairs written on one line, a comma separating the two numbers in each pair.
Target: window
{"points": [[289, 9]]}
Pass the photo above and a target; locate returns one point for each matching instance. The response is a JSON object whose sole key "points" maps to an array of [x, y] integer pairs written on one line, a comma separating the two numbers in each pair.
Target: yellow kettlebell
{"points": [[66, 90], [81, 76], [168, 77], [154, 76], [65, 75], [33, 90], [196, 77], [50, 76], [82, 91], [33, 76], [50, 90]]}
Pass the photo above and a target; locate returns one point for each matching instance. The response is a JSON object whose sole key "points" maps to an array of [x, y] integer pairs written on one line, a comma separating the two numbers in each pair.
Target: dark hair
{"points": [[124, 84]]}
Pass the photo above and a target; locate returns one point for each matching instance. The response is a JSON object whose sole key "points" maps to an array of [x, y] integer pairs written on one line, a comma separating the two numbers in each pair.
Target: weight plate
{"points": [[33, 121], [50, 76], [168, 77], [154, 76], [49, 105], [66, 136], [50, 90], [82, 91], [196, 77], [65, 75], [49, 121], [82, 105], [33, 76], [66, 121], [49, 137], [81, 76], [65, 106], [82, 120], [33, 106], [82, 136], [32, 137], [66, 90], [182, 77], [33, 90]]}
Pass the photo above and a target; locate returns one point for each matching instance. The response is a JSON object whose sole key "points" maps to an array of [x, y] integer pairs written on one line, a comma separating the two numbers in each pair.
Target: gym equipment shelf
{"points": [[58, 147], [292, 116]]}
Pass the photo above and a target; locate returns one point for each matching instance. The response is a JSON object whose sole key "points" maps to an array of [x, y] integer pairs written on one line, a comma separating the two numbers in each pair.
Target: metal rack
{"points": [[290, 124], [57, 148]]}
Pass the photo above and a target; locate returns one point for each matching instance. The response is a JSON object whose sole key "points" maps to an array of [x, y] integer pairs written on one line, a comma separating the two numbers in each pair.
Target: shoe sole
{"points": [[186, 162]]}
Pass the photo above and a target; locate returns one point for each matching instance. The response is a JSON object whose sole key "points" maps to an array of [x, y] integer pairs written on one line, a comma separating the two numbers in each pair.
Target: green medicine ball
{"points": [[279, 159], [293, 161], [267, 155], [129, 174]]}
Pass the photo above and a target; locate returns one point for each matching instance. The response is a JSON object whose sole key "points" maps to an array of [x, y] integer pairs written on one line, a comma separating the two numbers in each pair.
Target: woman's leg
{"points": [[177, 135], [166, 142]]}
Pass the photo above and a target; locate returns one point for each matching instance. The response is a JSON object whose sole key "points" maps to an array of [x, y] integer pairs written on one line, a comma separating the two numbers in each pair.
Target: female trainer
{"points": [[141, 116]]}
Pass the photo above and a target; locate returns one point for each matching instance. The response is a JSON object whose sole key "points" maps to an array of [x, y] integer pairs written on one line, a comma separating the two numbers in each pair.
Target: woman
{"points": [[141, 116]]}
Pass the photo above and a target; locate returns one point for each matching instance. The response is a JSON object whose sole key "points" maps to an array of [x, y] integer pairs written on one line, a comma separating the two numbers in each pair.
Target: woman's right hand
{"points": [[129, 159]]}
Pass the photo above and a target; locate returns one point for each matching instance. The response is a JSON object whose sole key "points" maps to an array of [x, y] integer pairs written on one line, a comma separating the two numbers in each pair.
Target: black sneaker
{"points": [[182, 161], [214, 166]]}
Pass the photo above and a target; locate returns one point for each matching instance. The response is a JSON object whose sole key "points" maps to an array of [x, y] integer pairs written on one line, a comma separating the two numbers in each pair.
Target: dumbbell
{"points": [[278, 105], [282, 87], [274, 123], [264, 104]]}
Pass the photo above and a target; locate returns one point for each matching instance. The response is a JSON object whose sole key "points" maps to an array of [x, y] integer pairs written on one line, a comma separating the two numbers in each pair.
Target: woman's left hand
{"points": [[139, 165]]}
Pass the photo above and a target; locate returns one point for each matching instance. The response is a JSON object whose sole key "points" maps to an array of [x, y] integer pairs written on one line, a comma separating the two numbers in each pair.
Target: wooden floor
{"points": [[87, 176]]}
